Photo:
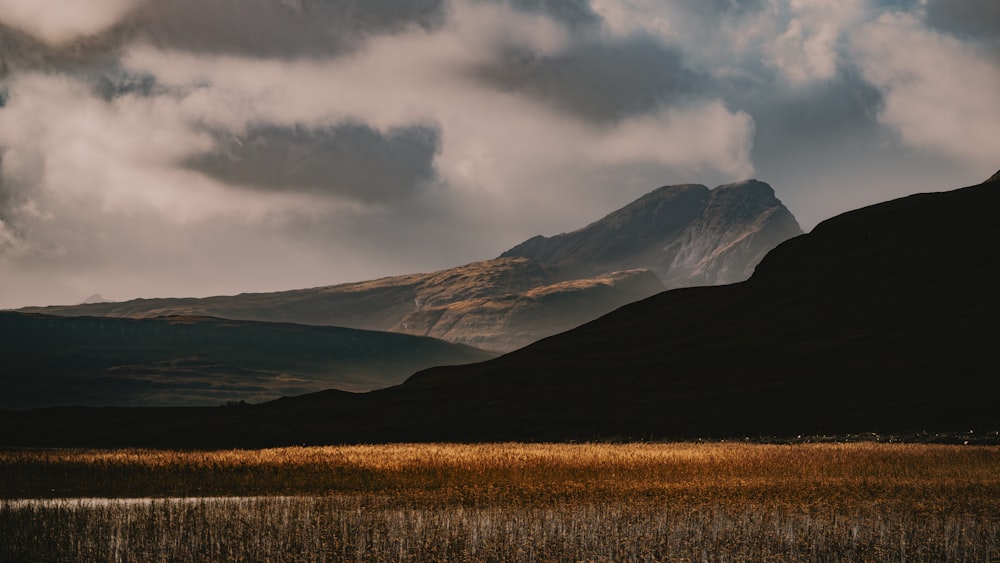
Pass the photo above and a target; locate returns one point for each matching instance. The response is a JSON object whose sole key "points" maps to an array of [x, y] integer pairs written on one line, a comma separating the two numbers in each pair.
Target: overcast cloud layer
{"points": [[198, 147]]}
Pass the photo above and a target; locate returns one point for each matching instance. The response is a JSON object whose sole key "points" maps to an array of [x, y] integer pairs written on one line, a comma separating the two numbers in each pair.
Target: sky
{"points": [[154, 148]]}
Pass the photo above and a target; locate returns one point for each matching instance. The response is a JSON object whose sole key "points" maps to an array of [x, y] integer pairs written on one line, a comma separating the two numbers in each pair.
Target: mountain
{"points": [[881, 319], [380, 304], [510, 321], [687, 235], [188, 361], [498, 304]]}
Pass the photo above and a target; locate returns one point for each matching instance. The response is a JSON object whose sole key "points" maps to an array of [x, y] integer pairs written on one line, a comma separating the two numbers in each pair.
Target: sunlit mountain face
{"points": [[195, 148]]}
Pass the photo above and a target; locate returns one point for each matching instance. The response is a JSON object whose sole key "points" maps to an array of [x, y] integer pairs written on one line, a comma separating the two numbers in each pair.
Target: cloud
{"points": [[940, 94], [270, 28], [672, 17], [45, 34], [809, 47], [597, 80], [976, 18], [57, 22], [349, 160], [713, 8], [59, 136], [400, 80], [578, 14], [217, 146]]}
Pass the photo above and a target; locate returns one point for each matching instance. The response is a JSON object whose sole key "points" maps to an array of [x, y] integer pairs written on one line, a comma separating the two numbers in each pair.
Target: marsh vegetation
{"points": [[506, 502]]}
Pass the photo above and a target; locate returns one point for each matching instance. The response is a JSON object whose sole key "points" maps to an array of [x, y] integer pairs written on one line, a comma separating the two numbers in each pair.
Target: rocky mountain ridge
{"points": [[685, 235]]}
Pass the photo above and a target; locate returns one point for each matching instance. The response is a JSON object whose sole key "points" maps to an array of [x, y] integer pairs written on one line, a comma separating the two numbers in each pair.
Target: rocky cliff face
{"points": [[687, 234]]}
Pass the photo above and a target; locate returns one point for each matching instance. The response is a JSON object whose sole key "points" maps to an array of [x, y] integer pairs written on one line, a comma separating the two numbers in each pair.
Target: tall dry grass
{"points": [[509, 502]]}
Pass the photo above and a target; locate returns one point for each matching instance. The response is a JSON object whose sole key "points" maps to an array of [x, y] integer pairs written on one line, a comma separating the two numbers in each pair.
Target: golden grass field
{"points": [[506, 502]]}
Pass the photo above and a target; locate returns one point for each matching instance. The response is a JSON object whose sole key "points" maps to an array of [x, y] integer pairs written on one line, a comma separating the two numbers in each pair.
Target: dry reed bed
{"points": [[511, 502], [351, 529], [946, 477]]}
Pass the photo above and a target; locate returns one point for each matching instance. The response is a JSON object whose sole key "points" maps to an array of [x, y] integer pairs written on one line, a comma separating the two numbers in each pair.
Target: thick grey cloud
{"points": [[114, 83], [20, 50], [788, 119], [715, 8], [56, 23], [574, 13], [259, 28], [275, 28], [601, 81], [977, 18], [91, 59], [349, 160], [5, 195]]}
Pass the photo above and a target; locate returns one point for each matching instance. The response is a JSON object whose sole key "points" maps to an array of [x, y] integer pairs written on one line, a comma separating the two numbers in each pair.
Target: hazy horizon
{"points": [[205, 147]]}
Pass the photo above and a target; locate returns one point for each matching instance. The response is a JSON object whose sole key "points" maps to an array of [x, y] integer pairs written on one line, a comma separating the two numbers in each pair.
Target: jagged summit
{"points": [[603, 244], [687, 234]]}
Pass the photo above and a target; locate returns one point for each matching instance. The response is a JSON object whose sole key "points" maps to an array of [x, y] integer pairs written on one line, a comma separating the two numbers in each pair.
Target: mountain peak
{"points": [[687, 234]]}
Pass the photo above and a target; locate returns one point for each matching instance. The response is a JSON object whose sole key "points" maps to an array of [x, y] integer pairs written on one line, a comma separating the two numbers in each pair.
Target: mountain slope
{"points": [[881, 319], [198, 360], [498, 304], [371, 305], [687, 234], [510, 321]]}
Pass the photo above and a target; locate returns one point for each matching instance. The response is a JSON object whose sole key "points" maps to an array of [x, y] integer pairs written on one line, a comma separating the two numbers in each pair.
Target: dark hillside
{"points": [[881, 319], [186, 361]]}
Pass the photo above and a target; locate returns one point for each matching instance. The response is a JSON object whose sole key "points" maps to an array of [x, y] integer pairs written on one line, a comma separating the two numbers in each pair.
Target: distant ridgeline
{"points": [[675, 236]]}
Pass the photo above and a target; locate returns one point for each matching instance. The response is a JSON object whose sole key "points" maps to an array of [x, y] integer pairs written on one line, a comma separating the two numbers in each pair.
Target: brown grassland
{"points": [[505, 502]]}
